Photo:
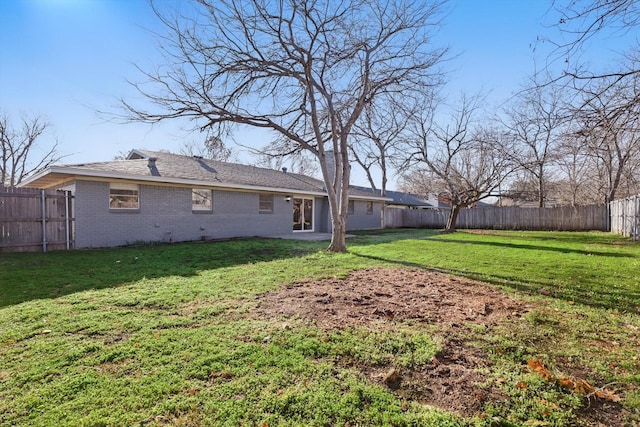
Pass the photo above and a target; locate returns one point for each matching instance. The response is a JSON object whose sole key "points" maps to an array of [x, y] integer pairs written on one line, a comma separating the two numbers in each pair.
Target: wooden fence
{"points": [[625, 217], [566, 218], [34, 220]]}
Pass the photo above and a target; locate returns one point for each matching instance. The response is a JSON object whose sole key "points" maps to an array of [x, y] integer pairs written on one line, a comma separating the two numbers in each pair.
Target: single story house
{"points": [[157, 196]]}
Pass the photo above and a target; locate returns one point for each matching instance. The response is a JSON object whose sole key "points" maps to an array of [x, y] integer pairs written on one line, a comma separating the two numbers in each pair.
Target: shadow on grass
{"points": [[562, 250], [589, 293], [31, 276]]}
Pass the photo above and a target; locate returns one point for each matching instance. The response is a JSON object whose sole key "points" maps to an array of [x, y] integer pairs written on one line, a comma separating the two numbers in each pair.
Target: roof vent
{"points": [[284, 170], [152, 166]]}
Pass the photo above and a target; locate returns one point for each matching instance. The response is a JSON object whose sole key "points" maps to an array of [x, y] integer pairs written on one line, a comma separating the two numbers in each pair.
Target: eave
{"points": [[58, 176]]}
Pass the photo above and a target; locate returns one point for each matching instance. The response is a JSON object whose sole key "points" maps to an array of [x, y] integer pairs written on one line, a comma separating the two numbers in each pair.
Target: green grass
{"points": [[164, 335]]}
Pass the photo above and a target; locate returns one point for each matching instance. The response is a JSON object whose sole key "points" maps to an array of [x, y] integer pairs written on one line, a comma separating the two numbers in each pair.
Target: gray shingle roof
{"points": [[197, 170], [216, 172]]}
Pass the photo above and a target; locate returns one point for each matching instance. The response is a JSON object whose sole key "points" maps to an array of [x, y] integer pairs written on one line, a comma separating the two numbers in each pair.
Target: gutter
{"points": [[71, 172]]}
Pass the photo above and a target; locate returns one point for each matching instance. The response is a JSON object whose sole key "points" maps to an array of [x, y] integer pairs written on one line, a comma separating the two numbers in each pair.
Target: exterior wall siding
{"points": [[361, 220], [322, 216], [165, 215]]}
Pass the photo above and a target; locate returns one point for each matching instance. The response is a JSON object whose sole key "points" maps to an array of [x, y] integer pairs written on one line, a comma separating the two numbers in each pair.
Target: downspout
{"points": [[44, 221]]}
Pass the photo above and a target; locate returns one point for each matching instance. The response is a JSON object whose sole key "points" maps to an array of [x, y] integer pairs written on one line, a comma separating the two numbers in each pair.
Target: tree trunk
{"points": [[453, 218], [336, 172], [541, 189], [338, 237]]}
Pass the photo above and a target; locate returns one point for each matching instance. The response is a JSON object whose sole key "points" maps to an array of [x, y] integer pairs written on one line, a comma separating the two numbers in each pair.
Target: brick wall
{"points": [[165, 214]]}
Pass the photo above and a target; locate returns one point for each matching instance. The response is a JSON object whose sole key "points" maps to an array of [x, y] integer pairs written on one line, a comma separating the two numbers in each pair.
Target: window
{"points": [[266, 203], [369, 208], [351, 208], [124, 196], [201, 200]]}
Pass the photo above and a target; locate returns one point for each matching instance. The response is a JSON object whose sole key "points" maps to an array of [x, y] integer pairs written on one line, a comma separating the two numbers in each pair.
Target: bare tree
{"points": [[535, 122], [377, 138], [607, 100], [581, 20], [305, 69], [213, 148], [466, 159], [575, 166], [608, 124], [297, 162], [21, 154], [420, 181]]}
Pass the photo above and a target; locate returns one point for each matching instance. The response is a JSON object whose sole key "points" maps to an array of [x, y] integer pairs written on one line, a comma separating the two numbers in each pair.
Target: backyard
{"points": [[410, 327]]}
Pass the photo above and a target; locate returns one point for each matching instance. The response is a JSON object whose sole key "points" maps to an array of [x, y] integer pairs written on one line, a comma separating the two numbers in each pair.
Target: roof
{"points": [[401, 199], [168, 168]]}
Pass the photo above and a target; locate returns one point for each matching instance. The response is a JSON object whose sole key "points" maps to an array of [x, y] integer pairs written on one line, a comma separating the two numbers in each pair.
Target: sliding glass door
{"points": [[302, 214]]}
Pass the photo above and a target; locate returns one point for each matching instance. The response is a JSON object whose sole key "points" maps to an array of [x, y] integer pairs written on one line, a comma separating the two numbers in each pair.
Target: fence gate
{"points": [[35, 220], [625, 217]]}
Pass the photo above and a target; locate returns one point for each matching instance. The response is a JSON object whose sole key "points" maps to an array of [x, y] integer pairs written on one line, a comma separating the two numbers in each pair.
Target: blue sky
{"points": [[65, 59]]}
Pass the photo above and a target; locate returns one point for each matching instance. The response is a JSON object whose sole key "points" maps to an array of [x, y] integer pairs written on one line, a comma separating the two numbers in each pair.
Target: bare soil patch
{"points": [[379, 297], [367, 297], [392, 294]]}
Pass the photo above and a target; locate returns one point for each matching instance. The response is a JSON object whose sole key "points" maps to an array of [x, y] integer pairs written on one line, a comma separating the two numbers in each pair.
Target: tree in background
{"points": [[535, 122], [305, 69], [607, 124], [607, 99], [213, 148], [21, 152], [466, 160], [378, 137], [419, 181]]}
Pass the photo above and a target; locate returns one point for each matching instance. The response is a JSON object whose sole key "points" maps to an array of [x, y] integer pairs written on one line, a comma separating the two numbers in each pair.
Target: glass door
{"points": [[302, 214]]}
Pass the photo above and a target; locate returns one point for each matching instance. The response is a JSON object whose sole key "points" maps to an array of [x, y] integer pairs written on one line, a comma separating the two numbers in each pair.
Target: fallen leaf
{"points": [[606, 395], [537, 366], [522, 385], [576, 385], [536, 423]]}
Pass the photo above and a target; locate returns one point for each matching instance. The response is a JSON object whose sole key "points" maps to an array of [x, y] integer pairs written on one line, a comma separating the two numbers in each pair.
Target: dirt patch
{"points": [[451, 304], [380, 297], [395, 294]]}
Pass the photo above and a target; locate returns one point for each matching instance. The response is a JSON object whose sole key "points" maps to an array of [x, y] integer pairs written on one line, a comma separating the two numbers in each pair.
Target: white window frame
{"points": [[199, 199], [124, 189], [369, 208], [265, 203]]}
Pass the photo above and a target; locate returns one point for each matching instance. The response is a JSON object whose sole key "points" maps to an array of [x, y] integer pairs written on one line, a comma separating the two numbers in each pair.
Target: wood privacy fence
{"points": [[33, 220], [625, 217], [566, 218]]}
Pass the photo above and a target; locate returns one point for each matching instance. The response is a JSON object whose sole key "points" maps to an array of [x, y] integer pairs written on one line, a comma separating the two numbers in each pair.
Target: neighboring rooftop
{"points": [[401, 199]]}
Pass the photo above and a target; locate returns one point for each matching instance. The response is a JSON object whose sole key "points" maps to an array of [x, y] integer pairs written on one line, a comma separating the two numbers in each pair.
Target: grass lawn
{"points": [[165, 335]]}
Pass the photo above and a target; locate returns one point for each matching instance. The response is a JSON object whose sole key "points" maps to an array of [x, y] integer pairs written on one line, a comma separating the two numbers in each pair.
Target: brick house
{"points": [[157, 196]]}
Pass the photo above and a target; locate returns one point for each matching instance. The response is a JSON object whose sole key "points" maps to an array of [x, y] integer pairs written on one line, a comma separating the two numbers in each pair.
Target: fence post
{"points": [[636, 217], [67, 223], [43, 201]]}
